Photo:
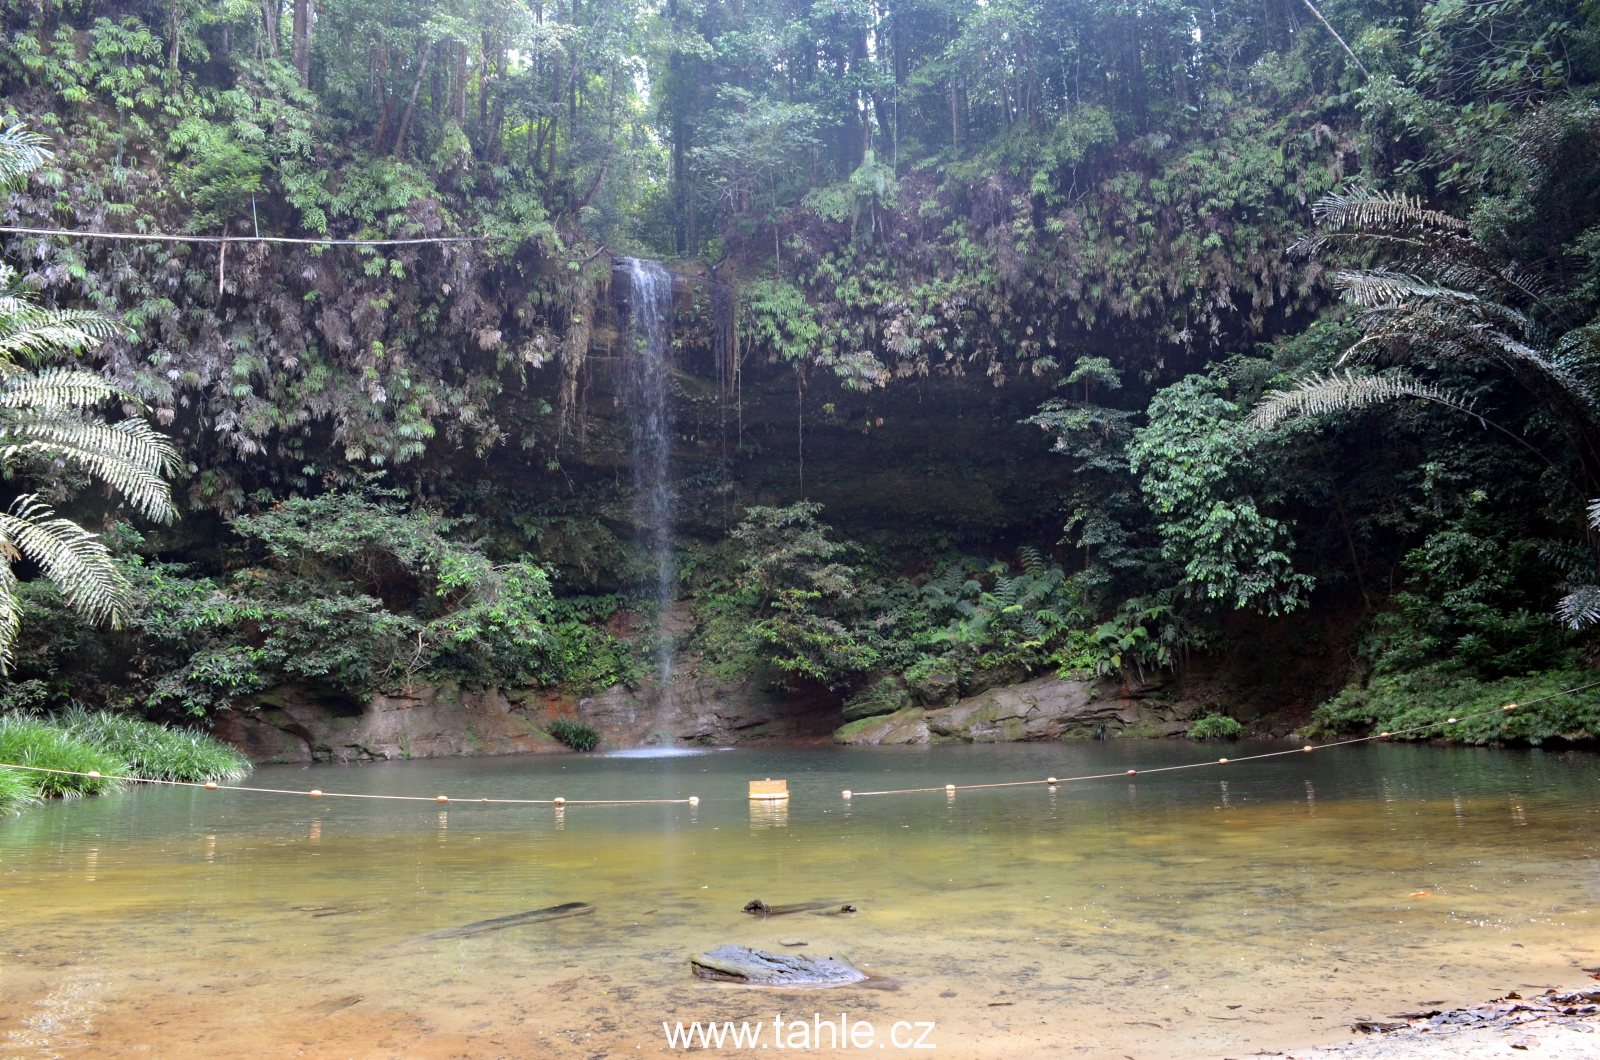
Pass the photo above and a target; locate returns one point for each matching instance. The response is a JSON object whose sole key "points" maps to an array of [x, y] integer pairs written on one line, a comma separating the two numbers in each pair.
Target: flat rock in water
{"points": [[740, 964]]}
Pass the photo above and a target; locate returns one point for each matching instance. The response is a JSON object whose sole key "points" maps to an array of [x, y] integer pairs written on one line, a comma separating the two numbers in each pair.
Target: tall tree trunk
{"points": [[411, 104], [270, 12], [300, 46]]}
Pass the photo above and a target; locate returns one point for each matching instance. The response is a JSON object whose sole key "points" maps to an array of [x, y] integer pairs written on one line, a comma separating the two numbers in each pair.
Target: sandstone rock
{"points": [[740, 964], [883, 697], [1045, 708]]}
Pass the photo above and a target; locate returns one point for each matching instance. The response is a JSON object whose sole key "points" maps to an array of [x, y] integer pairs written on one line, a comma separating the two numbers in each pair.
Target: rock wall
{"points": [[434, 721], [1046, 708]]}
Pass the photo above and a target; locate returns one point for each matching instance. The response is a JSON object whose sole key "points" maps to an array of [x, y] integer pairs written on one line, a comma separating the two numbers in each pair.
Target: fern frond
{"points": [[129, 456], [1366, 209], [1032, 561], [76, 561], [1580, 608], [1319, 394], [1376, 288], [10, 607], [28, 331], [21, 152], [55, 388], [1594, 514]]}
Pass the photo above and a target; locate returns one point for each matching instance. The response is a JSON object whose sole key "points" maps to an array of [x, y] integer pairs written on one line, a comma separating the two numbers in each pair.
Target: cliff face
{"points": [[435, 721]]}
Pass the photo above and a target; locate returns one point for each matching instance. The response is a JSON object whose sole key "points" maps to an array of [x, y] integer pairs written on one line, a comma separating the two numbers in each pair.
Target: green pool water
{"points": [[1207, 913]]}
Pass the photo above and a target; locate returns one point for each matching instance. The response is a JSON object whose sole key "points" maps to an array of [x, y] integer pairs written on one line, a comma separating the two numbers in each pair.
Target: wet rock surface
{"points": [[1558, 1025], [1046, 708], [740, 964]]}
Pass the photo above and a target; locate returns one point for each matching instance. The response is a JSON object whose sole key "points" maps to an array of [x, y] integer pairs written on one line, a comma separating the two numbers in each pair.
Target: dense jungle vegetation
{"points": [[1010, 337]]}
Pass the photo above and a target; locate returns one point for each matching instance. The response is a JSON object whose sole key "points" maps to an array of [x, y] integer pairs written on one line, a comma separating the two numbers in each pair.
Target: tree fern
{"points": [[21, 152], [1321, 394], [75, 560], [47, 414], [129, 456], [1362, 209]]}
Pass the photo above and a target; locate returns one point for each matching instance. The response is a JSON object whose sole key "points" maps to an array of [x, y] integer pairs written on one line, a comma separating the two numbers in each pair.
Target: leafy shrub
{"points": [[26, 741], [346, 593], [1429, 695], [1216, 727], [155, 751], [574, 734]]}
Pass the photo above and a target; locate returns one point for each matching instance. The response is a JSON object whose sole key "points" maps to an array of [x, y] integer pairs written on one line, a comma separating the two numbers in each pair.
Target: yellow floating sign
{"points": [[769, 789]]}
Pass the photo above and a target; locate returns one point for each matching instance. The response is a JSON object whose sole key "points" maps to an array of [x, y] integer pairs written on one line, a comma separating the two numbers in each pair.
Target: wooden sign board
{"points": [[769, 789]]}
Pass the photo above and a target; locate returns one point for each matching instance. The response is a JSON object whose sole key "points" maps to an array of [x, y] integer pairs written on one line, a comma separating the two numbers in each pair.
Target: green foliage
{"points": [[29, 741], [16, 792], [1215, 727], [1466, 606], [1429, 695], [348, 594], [574, 734], [884, 697], [154, 751], [1206, 477]]}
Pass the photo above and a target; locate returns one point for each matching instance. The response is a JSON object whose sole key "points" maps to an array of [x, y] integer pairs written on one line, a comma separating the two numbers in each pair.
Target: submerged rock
{"points": [[740, 964]]}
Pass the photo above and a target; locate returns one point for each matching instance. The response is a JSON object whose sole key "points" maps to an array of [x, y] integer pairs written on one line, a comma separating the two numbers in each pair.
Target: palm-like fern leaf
{"points": [[1376, 288], [1580, 608], [21, 152], [1319, 394], [28, 331], [55, 388], [129, 456], [1375, 210], [72, 558]]}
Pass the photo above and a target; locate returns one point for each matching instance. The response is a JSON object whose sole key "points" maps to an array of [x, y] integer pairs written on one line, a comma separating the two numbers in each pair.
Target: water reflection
{"points": [[1016, 918]]}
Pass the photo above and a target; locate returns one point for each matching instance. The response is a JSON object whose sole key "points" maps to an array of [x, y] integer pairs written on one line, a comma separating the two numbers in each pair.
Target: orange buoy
{"points": [[1222, 761], [845, 793], [1133, 772], [559, 801], [315, 794], [444, 798], [211, 785]]}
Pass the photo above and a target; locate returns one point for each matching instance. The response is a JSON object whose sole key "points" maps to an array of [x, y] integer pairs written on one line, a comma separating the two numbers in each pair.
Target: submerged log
{"points": [[740, 964], [761, 909], [533, 916]]}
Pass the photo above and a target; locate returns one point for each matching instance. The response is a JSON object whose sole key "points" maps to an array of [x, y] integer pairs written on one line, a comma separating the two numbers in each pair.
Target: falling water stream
{"points": [[645, 288]]}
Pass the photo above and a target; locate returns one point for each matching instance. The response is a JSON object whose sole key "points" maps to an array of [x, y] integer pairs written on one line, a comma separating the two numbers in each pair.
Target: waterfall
{"points": [[646, 291]]}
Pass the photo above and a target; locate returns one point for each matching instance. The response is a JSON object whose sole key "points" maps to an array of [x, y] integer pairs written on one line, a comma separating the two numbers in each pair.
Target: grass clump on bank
{"points": [[153, 751], [1216, 727], [574, 734], [26, 741], [1431, 695], [16, 792], [81, 741]]}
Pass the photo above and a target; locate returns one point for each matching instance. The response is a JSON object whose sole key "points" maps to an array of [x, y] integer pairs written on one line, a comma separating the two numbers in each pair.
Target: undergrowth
{"points": [[1430, 695], [574, 734]]}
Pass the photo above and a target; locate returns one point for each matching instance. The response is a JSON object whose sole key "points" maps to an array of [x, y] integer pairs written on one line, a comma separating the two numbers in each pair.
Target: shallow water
{"points": [[1206, 913]]}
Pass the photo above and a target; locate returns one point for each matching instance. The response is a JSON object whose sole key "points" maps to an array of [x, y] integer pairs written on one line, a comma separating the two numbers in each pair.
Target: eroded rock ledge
{"points": [[1046, 708]]}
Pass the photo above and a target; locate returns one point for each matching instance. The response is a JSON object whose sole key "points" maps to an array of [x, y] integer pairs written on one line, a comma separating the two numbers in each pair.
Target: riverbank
{"points": [[1558, 1024]]}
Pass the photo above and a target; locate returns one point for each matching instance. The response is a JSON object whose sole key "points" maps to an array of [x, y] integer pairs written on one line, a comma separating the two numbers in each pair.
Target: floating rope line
{"points": [[1053, 781], [161, 237], [693, 800], [316, 793]]}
